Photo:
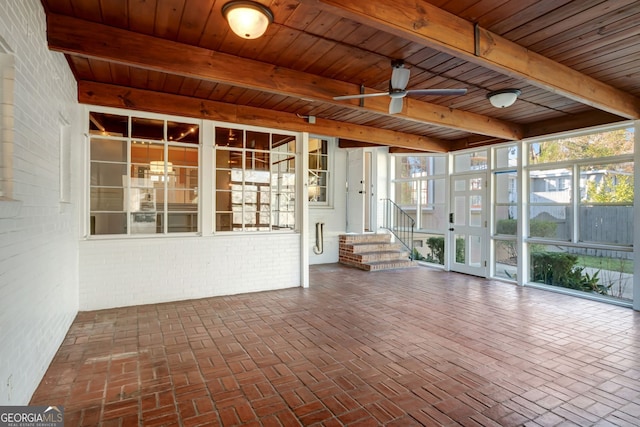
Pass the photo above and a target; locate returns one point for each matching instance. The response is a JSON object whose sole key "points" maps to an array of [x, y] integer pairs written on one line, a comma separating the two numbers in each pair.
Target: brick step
{"points": [[359, 248], [391, 265], [383, 255], [373, 252], [364, 238], [383, 265]]}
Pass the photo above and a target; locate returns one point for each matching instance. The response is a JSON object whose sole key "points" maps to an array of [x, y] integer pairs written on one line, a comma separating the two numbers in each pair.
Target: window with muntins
{"points": [[581, 220], [143, 175], [420, 189], [505, 211], [318, 170], [255, 180]]}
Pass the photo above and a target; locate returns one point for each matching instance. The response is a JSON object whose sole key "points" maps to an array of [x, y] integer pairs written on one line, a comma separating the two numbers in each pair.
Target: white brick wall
{"points": [[38, 241], [123, 272]]}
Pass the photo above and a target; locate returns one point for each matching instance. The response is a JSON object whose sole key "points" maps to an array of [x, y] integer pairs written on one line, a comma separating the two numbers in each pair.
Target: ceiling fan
{"points": [[397, 89]]}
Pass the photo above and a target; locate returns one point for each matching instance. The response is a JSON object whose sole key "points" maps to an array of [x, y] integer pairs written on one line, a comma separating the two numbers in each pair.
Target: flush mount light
{"points": [[157, 167], [503, 98], [247, 19]]}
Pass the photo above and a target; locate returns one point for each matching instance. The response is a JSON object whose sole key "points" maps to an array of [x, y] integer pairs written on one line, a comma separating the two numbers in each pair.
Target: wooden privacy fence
{"points": [[597, 224]]}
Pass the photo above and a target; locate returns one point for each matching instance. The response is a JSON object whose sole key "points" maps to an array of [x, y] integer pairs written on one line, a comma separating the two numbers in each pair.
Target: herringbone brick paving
{"points": [[396, 348]]}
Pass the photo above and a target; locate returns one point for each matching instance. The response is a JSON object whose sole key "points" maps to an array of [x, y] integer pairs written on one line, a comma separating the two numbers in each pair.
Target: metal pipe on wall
{"points": [[319, 247]]}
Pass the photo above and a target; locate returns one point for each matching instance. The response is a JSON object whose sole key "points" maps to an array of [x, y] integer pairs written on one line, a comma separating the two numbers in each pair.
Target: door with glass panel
{"points": [[468, 224], [360, 211]]}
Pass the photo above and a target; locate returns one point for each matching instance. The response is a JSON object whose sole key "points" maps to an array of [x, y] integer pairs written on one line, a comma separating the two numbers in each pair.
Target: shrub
{"points": [[436, 246], [507, 226], [559, 269], [555, 268], [541, 228], [538, 228], [460, 249], [417, 256]]}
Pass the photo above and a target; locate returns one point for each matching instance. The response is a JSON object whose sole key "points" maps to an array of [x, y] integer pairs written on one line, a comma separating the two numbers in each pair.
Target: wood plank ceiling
{"points": [[577, 63]]}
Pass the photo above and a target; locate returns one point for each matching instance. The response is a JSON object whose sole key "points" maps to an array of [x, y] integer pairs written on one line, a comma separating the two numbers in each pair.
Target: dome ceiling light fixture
{"points": [[247, 19], [503, 98]]}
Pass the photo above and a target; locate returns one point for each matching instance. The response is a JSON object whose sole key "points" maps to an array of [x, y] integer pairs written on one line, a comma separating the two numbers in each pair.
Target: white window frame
{"points": [[425, 179], [214, 186], [129, 140], [331, 144], [495, 238], [574, 165]]}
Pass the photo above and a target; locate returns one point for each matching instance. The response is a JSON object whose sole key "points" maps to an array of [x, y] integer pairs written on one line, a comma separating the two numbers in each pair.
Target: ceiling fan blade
{"points": [[361, 95], [437, 92], [395, 106], [399, 78]]}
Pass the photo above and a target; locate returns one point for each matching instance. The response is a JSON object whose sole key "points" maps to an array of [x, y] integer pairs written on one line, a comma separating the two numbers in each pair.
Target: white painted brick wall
{"points": [[333, 216], [124, 272], [39, 245]]}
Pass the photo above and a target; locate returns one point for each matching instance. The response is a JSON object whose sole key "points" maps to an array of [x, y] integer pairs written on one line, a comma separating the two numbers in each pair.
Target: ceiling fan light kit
{"points": [[247, 19], [503, 98], [397, 89]]}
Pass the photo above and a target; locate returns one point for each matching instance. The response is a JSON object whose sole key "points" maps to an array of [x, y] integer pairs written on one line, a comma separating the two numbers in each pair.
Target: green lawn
{"points": [[602, 263]]}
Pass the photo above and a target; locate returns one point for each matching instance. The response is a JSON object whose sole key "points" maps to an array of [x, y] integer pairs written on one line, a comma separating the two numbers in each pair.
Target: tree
{"points": [[612, 189], [617, 184], [595, 145]]}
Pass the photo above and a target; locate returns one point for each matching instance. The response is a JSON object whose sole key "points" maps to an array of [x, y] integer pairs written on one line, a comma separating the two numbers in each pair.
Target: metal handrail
{"points": [[400, 223]]}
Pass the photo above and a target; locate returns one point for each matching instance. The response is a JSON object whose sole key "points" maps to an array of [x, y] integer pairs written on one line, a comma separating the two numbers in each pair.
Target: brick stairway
{"points": [[373, 252]]}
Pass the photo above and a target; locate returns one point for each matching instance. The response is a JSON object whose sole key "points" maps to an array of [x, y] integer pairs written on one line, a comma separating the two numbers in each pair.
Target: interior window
{"points": [[144, 175], [318, 170], [255, 180]]}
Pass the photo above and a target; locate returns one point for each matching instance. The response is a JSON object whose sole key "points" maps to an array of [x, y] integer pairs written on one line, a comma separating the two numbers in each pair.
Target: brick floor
{"points": [[397, 348]]}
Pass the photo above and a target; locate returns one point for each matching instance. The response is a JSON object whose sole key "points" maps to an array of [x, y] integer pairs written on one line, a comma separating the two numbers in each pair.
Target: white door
{"points": [[468, 224], [367, 187], [358, 191]]}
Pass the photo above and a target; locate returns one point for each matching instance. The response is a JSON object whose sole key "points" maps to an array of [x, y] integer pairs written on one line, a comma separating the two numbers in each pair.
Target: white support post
{"points": [[303, 207], [523, 214], [207, 167], [490, 220], [448, 235], [636, 219]]}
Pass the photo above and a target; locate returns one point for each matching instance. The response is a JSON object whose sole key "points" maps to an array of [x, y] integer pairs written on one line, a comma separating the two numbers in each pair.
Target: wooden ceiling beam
{"points": [[348, 143], [473, 141], [92, 40], [144, 100], [574, 121], [429, 25], [545, 127], [398, 150]]}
